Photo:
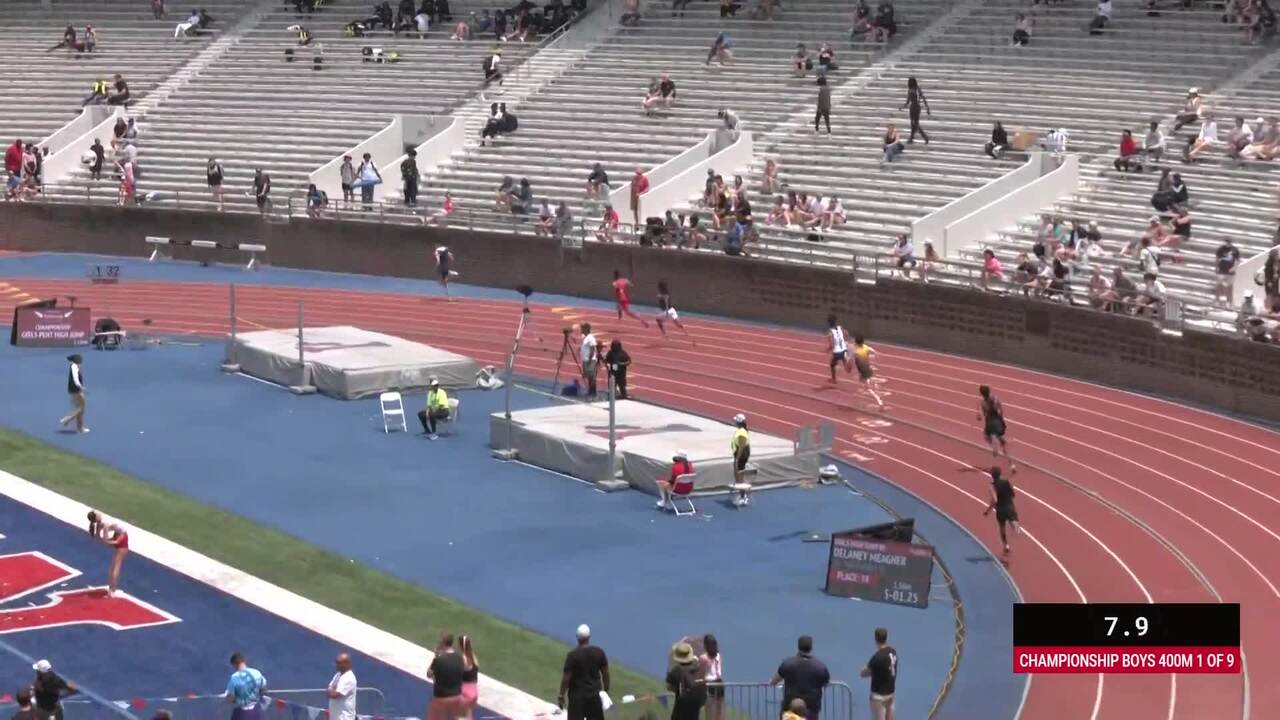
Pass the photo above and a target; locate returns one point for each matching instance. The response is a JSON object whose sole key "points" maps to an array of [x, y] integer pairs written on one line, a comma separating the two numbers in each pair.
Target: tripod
{"points": [[565, 349]]}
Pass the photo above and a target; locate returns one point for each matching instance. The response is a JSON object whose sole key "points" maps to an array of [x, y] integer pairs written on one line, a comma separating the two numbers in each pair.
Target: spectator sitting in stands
{"points": [[832, 215], [546, 222], [1060, 281], [672, 230], [316, 200], [1055, 141], [564, 220], [764, 10], [491, 126], [118, 94], [187, 27], [666, 92], [1101, 17], [826, 59], [886, 25], [694, 233], [422, 22], [1207, 139], [68, 39], [801, 63], [999, 141], [729, 8], [462, 31], [1025, 272], [597, 182], [728, 121], [1128, 160], [404, 13], [712, 189], [630, 13], [1266, 142], [992, 270], [1192, 110], [1240, 138], [520, 30], [441, 216], [860, 20], [1151, 297], [1153, 144], [769, 183], [100, 90], [1101, 294], [383, 16], [1126, 290], [780, 214], [88, 41], [904, 254], [1022, 26], [738, 238], [502, 200], [721, 50], [892, 144], [608, 224], [522, 199], [723, 210]]}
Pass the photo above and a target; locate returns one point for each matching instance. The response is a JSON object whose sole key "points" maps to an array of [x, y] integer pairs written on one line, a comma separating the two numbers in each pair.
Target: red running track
{"points": [[1124, 497]]}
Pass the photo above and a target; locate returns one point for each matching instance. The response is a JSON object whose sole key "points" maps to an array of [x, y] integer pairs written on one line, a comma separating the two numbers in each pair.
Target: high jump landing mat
{"points": [[347, 362], [573, 439]]}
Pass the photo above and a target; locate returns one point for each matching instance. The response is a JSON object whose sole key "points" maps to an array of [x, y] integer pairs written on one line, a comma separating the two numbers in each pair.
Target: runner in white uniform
{"points": [[838, 344]]}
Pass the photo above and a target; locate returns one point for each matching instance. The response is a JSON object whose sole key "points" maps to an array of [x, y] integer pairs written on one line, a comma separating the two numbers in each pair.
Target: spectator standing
{"points": [[347, 172], [585, 678], [49, 689], [639, 186], [409, 174], [470, 666], [367, 177], [915, 100], [823, 111], [342, 690], [213, 175], [803, 676], [75, 388], [882, 668], [262, 191], [1022, 26], [119, 93], [446, 675], [492, 71], [245, 689], [1227, 259], [597, 182], [617, 361], [25, 711], [713, 674], [686, 680]]}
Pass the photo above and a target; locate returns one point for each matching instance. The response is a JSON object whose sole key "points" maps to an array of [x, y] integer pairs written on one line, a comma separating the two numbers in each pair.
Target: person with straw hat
{"points": [[75, 388], [687, 681]]}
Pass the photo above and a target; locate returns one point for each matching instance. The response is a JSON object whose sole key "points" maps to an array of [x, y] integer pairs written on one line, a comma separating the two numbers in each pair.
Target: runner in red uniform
{"points": [[110, 532], [621, 286]]}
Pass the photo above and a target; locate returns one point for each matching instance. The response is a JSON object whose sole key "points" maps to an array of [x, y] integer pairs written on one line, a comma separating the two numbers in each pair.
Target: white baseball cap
{"points": [[584, 631], [42, 666], [739, 418], [682, 455]]}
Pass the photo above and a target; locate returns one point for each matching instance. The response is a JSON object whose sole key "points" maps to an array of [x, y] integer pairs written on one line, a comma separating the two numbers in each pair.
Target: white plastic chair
{"points": [[392, 411], [453, 414], [687, 478]]}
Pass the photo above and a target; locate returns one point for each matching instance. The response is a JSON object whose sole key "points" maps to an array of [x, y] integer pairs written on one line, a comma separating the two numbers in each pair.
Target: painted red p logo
{"points": [[22, 574]]}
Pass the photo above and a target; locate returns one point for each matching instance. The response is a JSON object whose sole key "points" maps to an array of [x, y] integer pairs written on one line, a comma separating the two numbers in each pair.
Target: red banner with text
{"points": [[52, 327]]}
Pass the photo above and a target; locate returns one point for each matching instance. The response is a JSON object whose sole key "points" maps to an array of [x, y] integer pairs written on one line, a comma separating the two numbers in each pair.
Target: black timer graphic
{"points": [[1126, 624]]}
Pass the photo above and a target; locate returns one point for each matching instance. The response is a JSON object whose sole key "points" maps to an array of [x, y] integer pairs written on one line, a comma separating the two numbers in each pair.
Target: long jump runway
{"points": [[1123, 497]]}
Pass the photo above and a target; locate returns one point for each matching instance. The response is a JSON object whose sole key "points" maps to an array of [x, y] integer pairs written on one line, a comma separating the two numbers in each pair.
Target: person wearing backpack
{"points": [[687, 681]]}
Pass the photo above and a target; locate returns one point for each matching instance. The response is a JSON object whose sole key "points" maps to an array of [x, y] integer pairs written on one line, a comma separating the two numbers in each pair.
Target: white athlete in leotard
{"points": [[838, 344]]}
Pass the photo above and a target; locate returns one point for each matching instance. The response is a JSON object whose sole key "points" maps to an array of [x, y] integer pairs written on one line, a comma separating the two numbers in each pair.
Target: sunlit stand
{"points": [[509, 452]]}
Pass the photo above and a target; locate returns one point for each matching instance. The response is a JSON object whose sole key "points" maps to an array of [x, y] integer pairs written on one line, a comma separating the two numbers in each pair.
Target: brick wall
{"points": [[1234, 375]]}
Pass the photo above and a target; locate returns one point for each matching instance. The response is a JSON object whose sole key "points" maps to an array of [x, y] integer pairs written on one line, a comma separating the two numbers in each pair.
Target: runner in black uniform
{"points": [[1002, 496], [667, 311], [444, 264], [991, 413]]}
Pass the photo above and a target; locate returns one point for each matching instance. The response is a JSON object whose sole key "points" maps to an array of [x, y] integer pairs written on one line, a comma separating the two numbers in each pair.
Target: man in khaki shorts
{"points": [[882, 668]]}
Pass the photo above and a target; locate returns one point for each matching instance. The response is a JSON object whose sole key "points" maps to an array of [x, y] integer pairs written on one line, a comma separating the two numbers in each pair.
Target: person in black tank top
{"points": [[991, 415], [916, 99], [444, 264], [667, 311], [1002, 496]]}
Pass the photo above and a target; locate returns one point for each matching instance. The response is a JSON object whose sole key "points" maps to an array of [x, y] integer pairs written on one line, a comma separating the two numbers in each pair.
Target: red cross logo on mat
{"points": [[22, 574], [625, 431]]}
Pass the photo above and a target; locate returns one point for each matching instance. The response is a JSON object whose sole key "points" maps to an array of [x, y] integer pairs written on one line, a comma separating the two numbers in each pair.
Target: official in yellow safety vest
{"points": [[437, 408]]}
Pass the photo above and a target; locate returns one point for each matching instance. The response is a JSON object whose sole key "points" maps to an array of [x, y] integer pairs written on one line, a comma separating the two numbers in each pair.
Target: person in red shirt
{"points": [[1128, 161], [608, 224], [621, 286], [13, 165], [680, 465], [639, 186]]}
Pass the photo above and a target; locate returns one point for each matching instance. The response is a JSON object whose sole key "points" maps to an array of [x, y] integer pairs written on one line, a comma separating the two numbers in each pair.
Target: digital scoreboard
{"points": [[1126, 638]]}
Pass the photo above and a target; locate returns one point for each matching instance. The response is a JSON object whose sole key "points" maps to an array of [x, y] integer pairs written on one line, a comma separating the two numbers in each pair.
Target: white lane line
{"points": [[359, 636]]}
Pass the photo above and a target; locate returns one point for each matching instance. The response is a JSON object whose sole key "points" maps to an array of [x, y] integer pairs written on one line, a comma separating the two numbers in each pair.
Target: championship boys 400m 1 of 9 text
{"points": [[1126, 638]]}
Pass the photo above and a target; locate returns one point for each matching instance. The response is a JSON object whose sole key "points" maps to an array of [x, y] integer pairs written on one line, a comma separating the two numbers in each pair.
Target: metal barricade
{"points": [[762, 701]]}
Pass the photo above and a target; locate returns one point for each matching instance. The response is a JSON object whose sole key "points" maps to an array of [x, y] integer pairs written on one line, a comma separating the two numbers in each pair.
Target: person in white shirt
{"points": [[1101, 17], [1206, 140], [423, 22], [1240, 138], [1056, 140], [186, 26], [342, 690], [1154, 143], [590, 357]]}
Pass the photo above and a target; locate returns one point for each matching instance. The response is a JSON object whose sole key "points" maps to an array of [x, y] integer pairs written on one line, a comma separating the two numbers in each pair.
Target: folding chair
{"points": [[453, 415], [682, 489], [392, 411]]}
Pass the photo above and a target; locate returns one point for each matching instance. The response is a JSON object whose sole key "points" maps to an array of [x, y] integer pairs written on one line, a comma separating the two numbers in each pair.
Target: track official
{"points": [[437, 408], [75, 388]]}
